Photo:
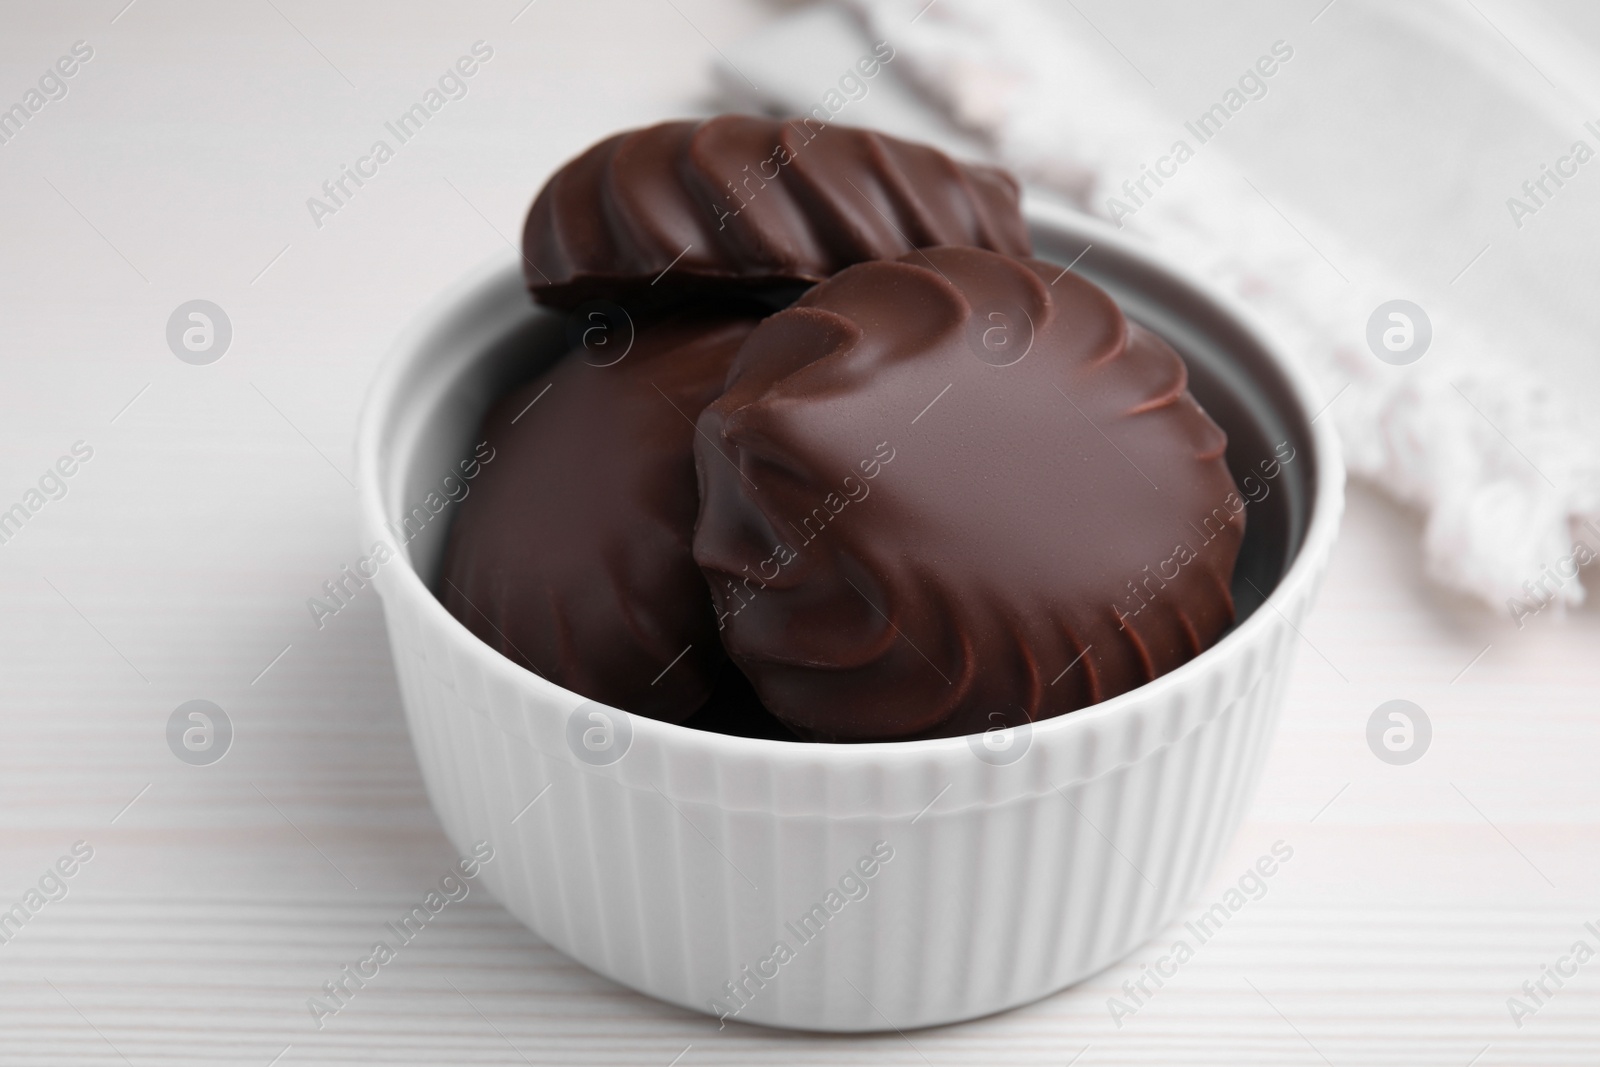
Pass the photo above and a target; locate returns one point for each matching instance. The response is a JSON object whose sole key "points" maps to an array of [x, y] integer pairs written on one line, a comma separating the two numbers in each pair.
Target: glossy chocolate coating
{"points": [[959, 491], [571, 553], [740, 202]]}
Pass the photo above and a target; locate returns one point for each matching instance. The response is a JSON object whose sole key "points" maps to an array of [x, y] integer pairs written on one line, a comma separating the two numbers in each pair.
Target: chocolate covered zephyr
{"points": [[958, 491], [571, 555], [744, 203]]}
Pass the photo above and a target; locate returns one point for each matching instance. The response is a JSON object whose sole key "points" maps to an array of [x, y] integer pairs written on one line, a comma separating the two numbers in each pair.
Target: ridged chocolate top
{"points": [[752, 203], [571, 553], [959, 491]]}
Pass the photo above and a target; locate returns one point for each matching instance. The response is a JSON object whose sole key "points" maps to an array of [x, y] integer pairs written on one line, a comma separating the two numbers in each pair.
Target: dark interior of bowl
{"points": [[1269, 439]]}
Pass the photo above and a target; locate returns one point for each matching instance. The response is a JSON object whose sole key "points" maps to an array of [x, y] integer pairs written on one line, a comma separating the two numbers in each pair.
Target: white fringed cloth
{"points": [[1507, 477]]}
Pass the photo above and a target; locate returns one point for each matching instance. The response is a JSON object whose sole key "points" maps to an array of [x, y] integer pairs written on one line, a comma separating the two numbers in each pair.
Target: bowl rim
{"points": [[385, 398]]}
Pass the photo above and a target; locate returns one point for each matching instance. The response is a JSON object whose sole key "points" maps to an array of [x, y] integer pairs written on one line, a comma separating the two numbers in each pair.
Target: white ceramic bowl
{"points": [[1016, 864]]}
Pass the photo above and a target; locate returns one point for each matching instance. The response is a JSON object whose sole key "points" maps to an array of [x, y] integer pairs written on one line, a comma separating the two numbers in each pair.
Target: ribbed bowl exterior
{"points": [[670, 873], [679, 868]]}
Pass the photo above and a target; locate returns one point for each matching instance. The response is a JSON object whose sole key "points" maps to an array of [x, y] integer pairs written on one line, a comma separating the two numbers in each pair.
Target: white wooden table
{"points": [[177, 566]]}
